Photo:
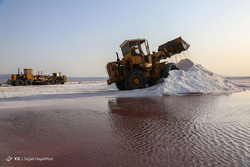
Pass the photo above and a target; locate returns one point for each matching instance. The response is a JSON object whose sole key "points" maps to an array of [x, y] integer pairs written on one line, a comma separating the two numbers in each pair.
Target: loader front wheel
{"points": [[135, 80], [120, 85], [27, 82], [19, 82], [168, 67]]}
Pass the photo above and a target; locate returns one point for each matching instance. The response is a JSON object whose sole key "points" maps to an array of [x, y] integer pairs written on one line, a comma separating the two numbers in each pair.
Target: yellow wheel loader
{"points": [[138, 67], [27, 78]]}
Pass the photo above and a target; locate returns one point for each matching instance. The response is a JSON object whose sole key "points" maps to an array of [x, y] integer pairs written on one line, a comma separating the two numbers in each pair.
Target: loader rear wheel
{"points": [[53, 82], [19, 82], [120, 85], [135, 80], [27, 82], [168, 67]]}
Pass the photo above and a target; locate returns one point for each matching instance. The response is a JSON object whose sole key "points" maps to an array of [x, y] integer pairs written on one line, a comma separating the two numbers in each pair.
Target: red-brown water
{"points": [[155, 131]]}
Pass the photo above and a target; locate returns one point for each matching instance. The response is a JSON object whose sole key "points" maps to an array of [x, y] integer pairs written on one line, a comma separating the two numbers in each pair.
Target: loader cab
{"points": [[28, 73], [55, 75], [136, 47]]}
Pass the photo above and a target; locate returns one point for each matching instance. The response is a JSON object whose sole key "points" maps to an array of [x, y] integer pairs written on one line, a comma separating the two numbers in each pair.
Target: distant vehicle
{"points": [[27, 78], [139, 68]]}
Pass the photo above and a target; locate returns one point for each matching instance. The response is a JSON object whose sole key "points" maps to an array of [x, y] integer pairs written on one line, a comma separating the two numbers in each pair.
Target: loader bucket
{"points": [[175, 46]]}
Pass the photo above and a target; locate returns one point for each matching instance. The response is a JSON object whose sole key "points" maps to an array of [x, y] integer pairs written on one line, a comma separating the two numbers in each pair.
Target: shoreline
{"points": [[54, 99]]}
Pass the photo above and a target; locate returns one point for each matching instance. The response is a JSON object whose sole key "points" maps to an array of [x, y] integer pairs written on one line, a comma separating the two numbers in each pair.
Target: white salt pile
{"points": [[194, 79]]}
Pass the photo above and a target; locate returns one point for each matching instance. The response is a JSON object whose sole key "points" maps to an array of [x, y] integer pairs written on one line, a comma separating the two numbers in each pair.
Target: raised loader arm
{"points": [[166, 51]]}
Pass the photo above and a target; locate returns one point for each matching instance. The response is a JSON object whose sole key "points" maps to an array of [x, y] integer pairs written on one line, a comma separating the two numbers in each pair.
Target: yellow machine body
{"points": [[137, 56], [27, 78]]}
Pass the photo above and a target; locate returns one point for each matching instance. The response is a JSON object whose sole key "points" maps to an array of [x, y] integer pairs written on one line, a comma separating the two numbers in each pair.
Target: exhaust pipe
{"points": [[117, 57]]}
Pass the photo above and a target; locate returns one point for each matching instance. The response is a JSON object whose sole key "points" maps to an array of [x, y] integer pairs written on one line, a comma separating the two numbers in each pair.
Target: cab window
{"points": [[134, 48], [125, 49]]}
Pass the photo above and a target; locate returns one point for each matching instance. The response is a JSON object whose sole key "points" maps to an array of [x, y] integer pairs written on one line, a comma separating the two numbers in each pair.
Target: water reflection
{"points": [[176, 131], [155, 131]]}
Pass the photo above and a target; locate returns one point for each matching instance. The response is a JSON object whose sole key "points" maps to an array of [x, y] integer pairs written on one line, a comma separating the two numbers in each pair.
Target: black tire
{"points": [[13, 83], [135, 80], [168, 67], [19, 82], [53, 82], [27, 82], [61, 81], [120, 85], [46, 83]]}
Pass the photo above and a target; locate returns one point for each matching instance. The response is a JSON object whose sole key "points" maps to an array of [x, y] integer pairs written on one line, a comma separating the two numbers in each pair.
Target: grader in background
{"points": [[27, 78], [139, 68]]}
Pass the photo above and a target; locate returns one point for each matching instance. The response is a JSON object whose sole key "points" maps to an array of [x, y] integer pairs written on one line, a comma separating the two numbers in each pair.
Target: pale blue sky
{"points": [[79, 37]]}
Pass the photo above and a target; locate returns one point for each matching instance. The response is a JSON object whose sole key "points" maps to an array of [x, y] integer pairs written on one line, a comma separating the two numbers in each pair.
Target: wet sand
{"points": [[155, 131]]}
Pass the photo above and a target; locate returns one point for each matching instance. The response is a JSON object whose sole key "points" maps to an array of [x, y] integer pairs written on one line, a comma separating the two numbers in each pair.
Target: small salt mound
{"points": [[194, 79], [185, 64]]}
